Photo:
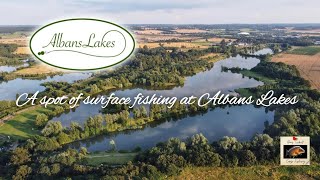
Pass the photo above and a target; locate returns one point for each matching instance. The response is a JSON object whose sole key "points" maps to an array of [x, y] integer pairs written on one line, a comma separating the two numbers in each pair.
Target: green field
{"points": [[258, 77], [22, 125], [203, 43], [109, 158], [310, 50], [247, 73], [254, 172]]}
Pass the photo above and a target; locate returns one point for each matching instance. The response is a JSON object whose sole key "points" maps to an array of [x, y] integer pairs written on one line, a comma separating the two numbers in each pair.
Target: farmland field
{"points": [[174, 44], [215, 40], [308, 66], [37, 69], [22, 50], [185, 31], [149, 31], [256, 172], [19, 41], [311, 50], [315, 30]]}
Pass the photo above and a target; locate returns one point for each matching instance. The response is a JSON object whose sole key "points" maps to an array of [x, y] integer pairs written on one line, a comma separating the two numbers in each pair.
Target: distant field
{"points": [[22, 50], [37, 69], [162, 37], [209, 55], [311, 50], [215, 40], [303, 31], [14, 38], [109, 158], [151, 31], [308, 66], [173, 44], [254, 172], [20, 41], [190, 31]]}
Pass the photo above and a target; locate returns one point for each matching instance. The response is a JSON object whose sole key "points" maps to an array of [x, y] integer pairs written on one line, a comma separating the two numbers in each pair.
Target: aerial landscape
{"points": [[157, 141], [190, 60]]}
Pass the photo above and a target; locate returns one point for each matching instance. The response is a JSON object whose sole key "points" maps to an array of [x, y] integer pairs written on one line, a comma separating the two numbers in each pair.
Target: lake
{"points": [[11, 68], [241, 122], [9, 89], [263, 51], [211, 81], [234, 121]]}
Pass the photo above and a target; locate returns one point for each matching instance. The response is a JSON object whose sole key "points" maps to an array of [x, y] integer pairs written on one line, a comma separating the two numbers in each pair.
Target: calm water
{"points": [[11, 68], [263, 51], [8, 90], [213, 125], [7, 68], [231, 121], [210, 81]]}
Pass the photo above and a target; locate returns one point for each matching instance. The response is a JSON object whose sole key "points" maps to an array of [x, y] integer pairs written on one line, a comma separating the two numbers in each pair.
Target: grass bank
{"points": [[253, 172], [244, 91], [22, 125]]}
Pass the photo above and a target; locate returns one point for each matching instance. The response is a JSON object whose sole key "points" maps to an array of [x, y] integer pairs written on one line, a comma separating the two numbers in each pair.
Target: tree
{"points": [[230, 143], [264, 148], [223, 45], [63, 138], [83, 151], [94, 89], [247, 158], [112, 143], [30, 144], [145, 47], [41, 120], [47, 144], [136, 113], [94, 125], [45, 170], [58, 110], [20, 156], [55, 168], [52, 128], [228, 148], [75, 131], [143, 111], [170, 164], [22, 172], [262, 140], [200, 153]]}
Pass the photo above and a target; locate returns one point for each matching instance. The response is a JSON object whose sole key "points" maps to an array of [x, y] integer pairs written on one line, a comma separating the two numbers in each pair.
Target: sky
{"points": [[37, 12]]}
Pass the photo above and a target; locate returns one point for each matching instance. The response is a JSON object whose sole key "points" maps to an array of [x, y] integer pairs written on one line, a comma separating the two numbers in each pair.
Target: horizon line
{"points": [[299, 23]]}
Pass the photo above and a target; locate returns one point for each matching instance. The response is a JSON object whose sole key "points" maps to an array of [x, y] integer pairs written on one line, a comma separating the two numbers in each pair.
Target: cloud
{"points": [[141, 5], [163, 11]]}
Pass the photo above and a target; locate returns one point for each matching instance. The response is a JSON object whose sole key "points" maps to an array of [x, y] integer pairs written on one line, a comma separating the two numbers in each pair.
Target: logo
{"points": [[82, 44], [295, 150]]}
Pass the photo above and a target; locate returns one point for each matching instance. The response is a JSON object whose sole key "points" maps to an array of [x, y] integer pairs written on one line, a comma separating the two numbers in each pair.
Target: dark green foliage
{"points": [[200, 152]]}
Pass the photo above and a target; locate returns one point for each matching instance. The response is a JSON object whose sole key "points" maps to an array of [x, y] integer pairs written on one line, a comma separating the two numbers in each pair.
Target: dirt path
{"points": [[6, 118]]}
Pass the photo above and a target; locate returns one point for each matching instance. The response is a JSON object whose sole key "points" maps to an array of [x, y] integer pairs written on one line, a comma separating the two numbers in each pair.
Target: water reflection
{"points": [[211, 81], [233, 121], [9, 89], [11, 68], [263, 51]]}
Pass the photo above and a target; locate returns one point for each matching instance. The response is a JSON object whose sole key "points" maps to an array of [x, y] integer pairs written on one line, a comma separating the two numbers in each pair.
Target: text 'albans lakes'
{"points": [[58, 41]]}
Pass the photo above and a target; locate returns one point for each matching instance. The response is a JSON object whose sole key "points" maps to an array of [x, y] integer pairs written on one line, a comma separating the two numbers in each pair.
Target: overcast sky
{"points": [[38, 12]]}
